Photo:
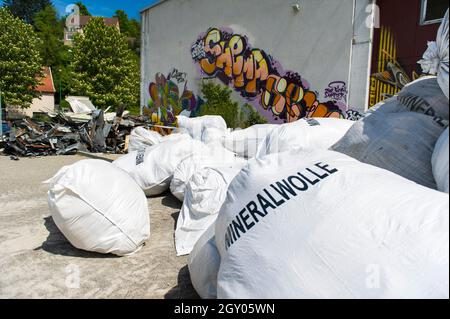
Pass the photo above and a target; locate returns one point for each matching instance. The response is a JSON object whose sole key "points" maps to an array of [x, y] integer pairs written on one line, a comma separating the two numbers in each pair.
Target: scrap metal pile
{"points": [[66, 134]]}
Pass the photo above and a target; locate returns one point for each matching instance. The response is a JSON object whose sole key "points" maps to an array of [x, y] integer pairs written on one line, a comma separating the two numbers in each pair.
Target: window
{"points": [[432, 11]]}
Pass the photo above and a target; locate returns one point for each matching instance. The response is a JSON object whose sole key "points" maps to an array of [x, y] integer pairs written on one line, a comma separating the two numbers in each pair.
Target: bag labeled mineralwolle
{"points": [[99, 208], [316, 223]]}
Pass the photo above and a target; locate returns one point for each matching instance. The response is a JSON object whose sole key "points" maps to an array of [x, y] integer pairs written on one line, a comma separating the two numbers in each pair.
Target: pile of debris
{"points": [[68, 133]]}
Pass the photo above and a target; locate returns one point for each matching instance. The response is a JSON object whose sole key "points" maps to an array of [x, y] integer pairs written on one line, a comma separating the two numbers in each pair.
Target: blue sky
{"points": [[106, 8]]}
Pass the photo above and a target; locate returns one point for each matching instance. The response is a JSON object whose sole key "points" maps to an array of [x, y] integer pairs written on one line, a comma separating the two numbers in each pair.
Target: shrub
{"points": [[218, 102]]}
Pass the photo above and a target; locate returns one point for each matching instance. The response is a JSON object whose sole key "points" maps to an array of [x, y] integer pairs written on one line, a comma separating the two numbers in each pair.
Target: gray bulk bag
{"points": [[401, 142]]}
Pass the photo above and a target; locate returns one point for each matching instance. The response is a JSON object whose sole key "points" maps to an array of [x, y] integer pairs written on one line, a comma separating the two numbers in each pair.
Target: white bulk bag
{"points": [[194, 126], [440, 161], [214, 155], [141, 138], [99, 208], [246, 142], [153, 168], [319, 224], [435, 58], [212, 134], [425, 96], [401, 142], [205, 194], [319, 133], [204, 263]]}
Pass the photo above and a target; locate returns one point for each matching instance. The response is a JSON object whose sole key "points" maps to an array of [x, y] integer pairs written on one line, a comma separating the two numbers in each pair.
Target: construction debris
{"points": [[68, 133]]}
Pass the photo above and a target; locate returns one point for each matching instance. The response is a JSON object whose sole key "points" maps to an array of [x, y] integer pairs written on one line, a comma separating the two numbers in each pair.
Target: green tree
{"points": [[26, 9], [49, 31], [53, 52], [20, 62], [131, 29], [103, 67], [83, 9]]}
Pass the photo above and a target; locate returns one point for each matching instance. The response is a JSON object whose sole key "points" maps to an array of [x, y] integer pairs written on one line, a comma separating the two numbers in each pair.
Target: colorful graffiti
{"points": [[167, 100], [390, 77], [336, 91], [259, 78], [281, 95]]}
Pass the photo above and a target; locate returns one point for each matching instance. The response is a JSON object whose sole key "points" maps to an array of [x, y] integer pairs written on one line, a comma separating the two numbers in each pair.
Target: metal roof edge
{"points": [[152, 6]]}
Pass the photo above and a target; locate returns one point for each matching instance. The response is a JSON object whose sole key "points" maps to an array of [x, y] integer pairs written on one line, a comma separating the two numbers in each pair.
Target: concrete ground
{"points": [[37, 261]]}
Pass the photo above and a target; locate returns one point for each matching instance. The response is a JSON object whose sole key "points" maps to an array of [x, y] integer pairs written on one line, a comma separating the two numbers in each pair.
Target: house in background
{"points": [[43, 104], [75, 24]]}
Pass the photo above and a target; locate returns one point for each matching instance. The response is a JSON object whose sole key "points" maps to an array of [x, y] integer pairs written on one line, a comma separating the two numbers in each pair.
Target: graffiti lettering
{"points": [[165, 99], [336, 91], [177, 75], [227, 56]]}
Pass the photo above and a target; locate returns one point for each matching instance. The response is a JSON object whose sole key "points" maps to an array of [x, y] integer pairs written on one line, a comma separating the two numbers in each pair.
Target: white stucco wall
{"points": [[46, 103], [315, 42]]}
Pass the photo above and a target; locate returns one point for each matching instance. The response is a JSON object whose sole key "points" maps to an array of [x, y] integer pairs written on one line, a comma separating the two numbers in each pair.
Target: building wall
{"points": [[46, 103], [306, 53], [400, 41]]}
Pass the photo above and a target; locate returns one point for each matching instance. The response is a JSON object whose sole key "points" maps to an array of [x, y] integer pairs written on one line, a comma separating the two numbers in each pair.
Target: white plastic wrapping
{"points": [[435, 59], [205, 194], [195, 126], [99, 208], [141, 138], [154, 167], [320, 133], [214, 155], [246, 142]]}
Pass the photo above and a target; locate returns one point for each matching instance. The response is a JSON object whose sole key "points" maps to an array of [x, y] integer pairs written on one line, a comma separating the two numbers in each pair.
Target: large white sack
{"points": [[204, 263], [401, 142], [141, 138], [440, 161], [214, 155], [99, 208], [246, 142], [320, 133], [319, 224], [435, 58], [425, 96], [194, 126], [212, 135], [154, 167], [205, 194]]}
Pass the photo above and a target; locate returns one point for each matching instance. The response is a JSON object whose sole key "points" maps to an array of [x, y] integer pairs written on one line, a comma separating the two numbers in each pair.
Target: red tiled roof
{"points": [[47, 85], [108, 21]]}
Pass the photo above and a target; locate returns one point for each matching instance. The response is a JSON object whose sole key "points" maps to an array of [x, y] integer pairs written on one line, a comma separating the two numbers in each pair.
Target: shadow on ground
{"points": [[57, 244], [171, 201], [184, 288]]}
